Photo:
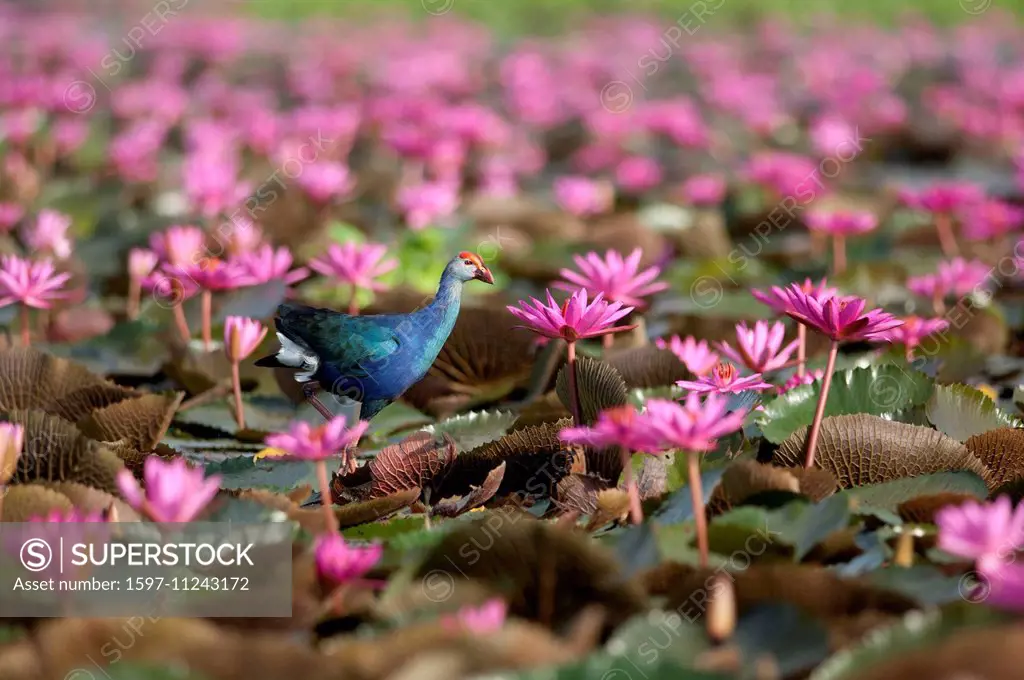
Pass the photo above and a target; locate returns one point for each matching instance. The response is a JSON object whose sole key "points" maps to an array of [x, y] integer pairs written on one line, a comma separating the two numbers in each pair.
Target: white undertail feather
{"points": [[295, 355]]}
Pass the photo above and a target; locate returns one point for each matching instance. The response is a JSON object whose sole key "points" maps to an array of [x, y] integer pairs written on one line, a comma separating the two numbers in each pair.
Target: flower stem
{"points": [[207, 298], [819, 412], [353, 301], [236, 384], [325, 496], [636, 511], [182, 323], [26, 328], [938, 304], [574, 396], [607, 341], [947, 240], [697, 496], [801, 349], [839, 254], [134, 298]]}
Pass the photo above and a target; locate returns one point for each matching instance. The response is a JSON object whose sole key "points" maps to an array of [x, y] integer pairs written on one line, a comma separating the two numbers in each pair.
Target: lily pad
{"points": [[889, 495], [962, 411], [874, 390], [474, 429], [242, 472]]}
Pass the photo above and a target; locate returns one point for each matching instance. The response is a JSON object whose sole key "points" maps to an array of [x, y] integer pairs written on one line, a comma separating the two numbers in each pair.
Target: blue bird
{"points": [[370, 359]]}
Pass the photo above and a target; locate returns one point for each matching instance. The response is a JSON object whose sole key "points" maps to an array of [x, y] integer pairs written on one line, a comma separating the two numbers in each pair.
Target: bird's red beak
{"points": [[484, 274]]}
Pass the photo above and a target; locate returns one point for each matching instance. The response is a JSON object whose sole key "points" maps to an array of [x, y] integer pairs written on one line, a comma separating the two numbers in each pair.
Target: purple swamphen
{"points": [[370, 359]]}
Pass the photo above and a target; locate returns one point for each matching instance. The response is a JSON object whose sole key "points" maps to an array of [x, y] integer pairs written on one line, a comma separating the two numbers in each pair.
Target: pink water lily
{"points": [[425, 203], [241, 337], [174, 491], [616, 277], [325, 181], [944, 200], [487, 618], [267, 263], [796, 380], [355, 264], [704, 190], [582, 196], [695, 354], [49, 234], [988, 533], [759, 348], [179, 245], [30, 284], [576, 319], [725, 379], [342, 562], [10, 215], [141, 263], [914, 330]]}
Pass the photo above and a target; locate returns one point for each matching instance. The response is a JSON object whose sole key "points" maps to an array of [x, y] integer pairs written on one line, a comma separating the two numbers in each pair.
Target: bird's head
{"points": [[467, 266]]}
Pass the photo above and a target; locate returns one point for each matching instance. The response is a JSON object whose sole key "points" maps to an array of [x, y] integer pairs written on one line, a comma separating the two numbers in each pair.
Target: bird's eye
{"points": [[468, 261]]}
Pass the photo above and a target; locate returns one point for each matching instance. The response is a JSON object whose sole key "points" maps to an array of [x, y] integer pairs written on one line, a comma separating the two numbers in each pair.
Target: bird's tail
{"points": [[270, 362]]}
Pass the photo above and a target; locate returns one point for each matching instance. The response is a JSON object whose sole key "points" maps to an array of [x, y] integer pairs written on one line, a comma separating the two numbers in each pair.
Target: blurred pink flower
{"points": [[990, 220], [581, 196], [179, 245], [341, 562], [69, 134], [423, 204], [33, 284], [724, 379], [956, 277], [796, 380], [841, 223], [244, 238], [784, 174], [49, 234], [10, 215], [618, 278], [943, 197], [988, 533], [357, 264], [574, 320], [211, 184], [697, 356], [325, 181], [18, 127], [242, 336], [268, 263], [621, 426], [134, 152], [327, 440], [487, 618], [704, 190], [141, 262], [174, 492], [638, 174], [693, 425], [759, 348], [213, 274], [831, 134]]}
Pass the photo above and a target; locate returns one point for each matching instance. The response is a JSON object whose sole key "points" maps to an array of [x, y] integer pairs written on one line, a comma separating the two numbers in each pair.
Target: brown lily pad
{"points": [[349, 515], [88, 499], [56, 451], [578, 493], [477, 496], [139, 423], [647, 366], [535, 459], [418, 461], [747, 479], [922, 510], [1001, 451], [34, 380], [862, 449], [599, 386], [547, 574], [547, 408], [25, 501]]}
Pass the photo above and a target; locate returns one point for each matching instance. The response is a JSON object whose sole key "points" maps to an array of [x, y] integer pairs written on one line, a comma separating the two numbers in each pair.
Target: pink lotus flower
{"points": [[245, 237], [179, 245], [696, 355], [915, 329], [423, 204], [69, 134], [779, 172], [796, 380], [943, 197], [33, 284], [841, 223], [326, 441], [241, 337], [778, 298], [617, 278], [213, 274], [759, 349], [991, 220], [957, 277], [704, 190], [269, 264], [638, 174], [50, 234], [10, 215], [574, 320], [693, 425], [988, 533], [581, 196], [487, 618], [356, 264], [841, 318], [325, 181], [725, 379], [174, 491], [621, 426], [141, 262], [211, 182], [341, 562]]}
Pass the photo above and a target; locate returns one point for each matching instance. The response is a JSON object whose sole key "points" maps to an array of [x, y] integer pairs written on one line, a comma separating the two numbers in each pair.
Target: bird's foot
{"points": [[309, 391]]}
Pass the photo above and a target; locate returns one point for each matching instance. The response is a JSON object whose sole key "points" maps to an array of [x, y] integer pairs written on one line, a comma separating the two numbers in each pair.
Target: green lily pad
{"points": [[875, 390], [617, 668], [473, 429], [267, 473], [924, 583], [132, 670], [961, 411], [889, 495], [386, 531]]}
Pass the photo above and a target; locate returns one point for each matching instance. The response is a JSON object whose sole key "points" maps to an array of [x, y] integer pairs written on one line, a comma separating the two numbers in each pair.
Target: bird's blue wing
{"points": [[350, 344]]}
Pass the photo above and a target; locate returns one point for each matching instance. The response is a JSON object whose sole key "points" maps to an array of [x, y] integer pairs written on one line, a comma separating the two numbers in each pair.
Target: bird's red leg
{"points": [[309, 391]]}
